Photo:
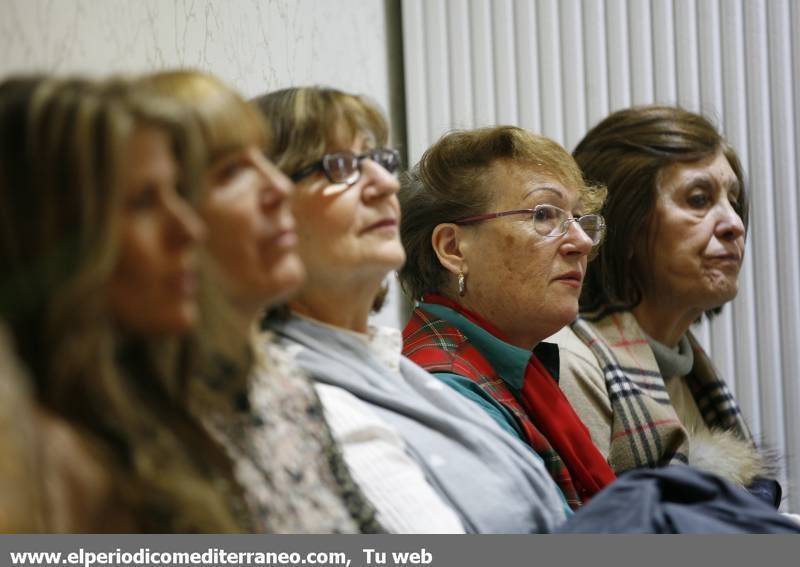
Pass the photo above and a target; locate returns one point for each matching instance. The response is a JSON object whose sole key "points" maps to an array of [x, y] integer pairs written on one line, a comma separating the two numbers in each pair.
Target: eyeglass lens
{"points": [[549, 220], [346, 167]]}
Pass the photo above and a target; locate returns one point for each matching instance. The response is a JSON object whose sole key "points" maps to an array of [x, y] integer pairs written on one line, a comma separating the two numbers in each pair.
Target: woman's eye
{"points": [[230, 169], [544, 213], [698, 200]]}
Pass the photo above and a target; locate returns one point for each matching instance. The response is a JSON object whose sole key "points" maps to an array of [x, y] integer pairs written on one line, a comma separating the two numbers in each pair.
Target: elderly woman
{"points": [[495, 225], [422, 454], [677, 215], [268, 415], [98, 264]]}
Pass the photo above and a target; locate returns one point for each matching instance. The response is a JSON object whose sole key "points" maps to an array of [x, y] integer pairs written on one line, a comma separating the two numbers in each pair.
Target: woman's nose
{"points": [[185, 226], [276, 186], [576, 241], [378, 181], [729, 224]]}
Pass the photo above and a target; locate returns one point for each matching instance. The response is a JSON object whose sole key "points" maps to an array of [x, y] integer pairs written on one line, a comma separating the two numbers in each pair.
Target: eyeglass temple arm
{"points": [[298, 175], [487, 216]]}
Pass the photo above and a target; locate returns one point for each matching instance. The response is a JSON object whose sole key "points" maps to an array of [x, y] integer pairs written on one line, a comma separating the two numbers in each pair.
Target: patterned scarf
{"points": [[645, 430], [439, 346]]}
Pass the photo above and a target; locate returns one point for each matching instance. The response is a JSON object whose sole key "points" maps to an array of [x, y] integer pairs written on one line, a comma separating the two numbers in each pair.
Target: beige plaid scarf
{"points": [[645, 430]]}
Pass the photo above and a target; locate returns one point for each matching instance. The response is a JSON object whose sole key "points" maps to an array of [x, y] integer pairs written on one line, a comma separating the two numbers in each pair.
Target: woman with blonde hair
{"points": [[425, 458], [266, 414], [98, 270]]}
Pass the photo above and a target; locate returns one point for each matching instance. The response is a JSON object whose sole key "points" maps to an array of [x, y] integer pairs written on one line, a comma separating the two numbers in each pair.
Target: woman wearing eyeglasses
{"points": [[630, 364], [422, 454], [498, 225]]}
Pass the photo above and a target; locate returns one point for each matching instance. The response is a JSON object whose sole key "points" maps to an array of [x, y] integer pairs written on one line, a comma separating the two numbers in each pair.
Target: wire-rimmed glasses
{"points": [[550, 221]]}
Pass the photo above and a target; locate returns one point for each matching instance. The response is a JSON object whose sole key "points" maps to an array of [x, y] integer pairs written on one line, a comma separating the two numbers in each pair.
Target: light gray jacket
{"points": [[492, 480]]}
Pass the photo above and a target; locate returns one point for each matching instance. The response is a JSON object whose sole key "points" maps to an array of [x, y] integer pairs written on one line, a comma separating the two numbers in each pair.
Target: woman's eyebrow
{"points": [[553, 190]]}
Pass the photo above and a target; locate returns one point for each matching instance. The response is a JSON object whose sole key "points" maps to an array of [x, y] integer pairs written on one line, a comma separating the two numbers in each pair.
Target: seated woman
{"points": [[497, 242], [422, 454], [98, 265], [677, 208], [267, 415]]}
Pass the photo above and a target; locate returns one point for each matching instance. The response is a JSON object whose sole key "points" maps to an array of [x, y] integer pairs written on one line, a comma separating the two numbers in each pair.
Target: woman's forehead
{"points": [[523, 183]]}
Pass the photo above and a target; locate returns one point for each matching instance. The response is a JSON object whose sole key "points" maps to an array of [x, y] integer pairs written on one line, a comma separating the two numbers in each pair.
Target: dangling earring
{"points": [[462, 284]]}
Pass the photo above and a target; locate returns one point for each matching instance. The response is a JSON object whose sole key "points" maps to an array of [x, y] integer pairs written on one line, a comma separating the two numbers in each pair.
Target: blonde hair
{"points": [[62, 146], [305, 123], [227, 122]]}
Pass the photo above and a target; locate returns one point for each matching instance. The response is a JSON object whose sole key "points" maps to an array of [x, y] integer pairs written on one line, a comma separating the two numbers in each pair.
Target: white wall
{"points": [[254, 45], [559, 66]]}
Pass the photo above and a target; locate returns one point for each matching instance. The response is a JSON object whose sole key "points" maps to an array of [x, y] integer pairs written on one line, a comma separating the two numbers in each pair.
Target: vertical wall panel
{"points": [[482, 62], [573, 85], [527, 57], [686, 54], [551, 96], [641, 43], [461, 104], [505, 83], [763, 218], [562, 66], [709, 44], [596, 68], [793, 428], [619, 76], [414, 61], [664, 69], [437, 66], [786, 220]]}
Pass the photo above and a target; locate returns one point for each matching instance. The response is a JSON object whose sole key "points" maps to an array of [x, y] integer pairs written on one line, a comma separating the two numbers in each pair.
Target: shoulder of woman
{"points": [[78, 480], [572, 351]]}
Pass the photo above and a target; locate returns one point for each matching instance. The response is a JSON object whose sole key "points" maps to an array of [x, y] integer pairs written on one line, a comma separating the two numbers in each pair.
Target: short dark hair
{"points": [[627, 152]]}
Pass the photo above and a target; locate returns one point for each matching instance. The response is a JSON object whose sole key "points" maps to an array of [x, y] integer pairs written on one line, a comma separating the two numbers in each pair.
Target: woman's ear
{"points": [[449, 245]]}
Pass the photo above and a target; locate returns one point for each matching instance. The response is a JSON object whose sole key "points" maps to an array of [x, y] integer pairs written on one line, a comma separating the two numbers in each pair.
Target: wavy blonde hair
{"points": [[62, 146]]}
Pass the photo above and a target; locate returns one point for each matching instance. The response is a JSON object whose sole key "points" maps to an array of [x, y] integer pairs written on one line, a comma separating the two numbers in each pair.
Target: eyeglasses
{"points": [[549, 220], [345, 167]]}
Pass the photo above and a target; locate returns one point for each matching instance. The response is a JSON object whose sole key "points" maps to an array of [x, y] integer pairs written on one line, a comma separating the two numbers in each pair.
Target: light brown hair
{"points": [[451, 182]]}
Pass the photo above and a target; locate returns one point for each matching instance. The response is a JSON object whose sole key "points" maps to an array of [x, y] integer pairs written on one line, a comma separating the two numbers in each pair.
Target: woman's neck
{"points": [[663, 321], [347, 307]]}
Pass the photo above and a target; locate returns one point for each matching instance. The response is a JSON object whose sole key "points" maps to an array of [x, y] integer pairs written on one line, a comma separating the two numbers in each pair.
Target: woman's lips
{"points": [[383, 224], [572, 279], [724, 260], [285, 239]]}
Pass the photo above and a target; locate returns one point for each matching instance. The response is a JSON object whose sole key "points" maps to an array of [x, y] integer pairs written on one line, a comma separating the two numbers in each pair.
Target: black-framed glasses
{"points": [[345, 167], [551, 221]]}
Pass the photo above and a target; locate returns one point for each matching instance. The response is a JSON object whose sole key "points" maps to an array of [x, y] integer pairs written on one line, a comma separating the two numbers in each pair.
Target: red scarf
{"points": [[548, 408]]}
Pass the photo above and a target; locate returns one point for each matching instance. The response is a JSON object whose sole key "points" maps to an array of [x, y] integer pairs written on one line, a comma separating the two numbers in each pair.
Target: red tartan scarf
{"points": [[549, 423]]}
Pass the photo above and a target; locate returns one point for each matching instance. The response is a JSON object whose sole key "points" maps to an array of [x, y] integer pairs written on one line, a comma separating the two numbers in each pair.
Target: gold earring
{"points": [[462, 284]]}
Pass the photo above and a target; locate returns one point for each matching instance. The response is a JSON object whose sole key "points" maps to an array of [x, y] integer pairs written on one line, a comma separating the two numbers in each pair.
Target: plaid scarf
{"points": [[438, 346], [645, 430]]}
